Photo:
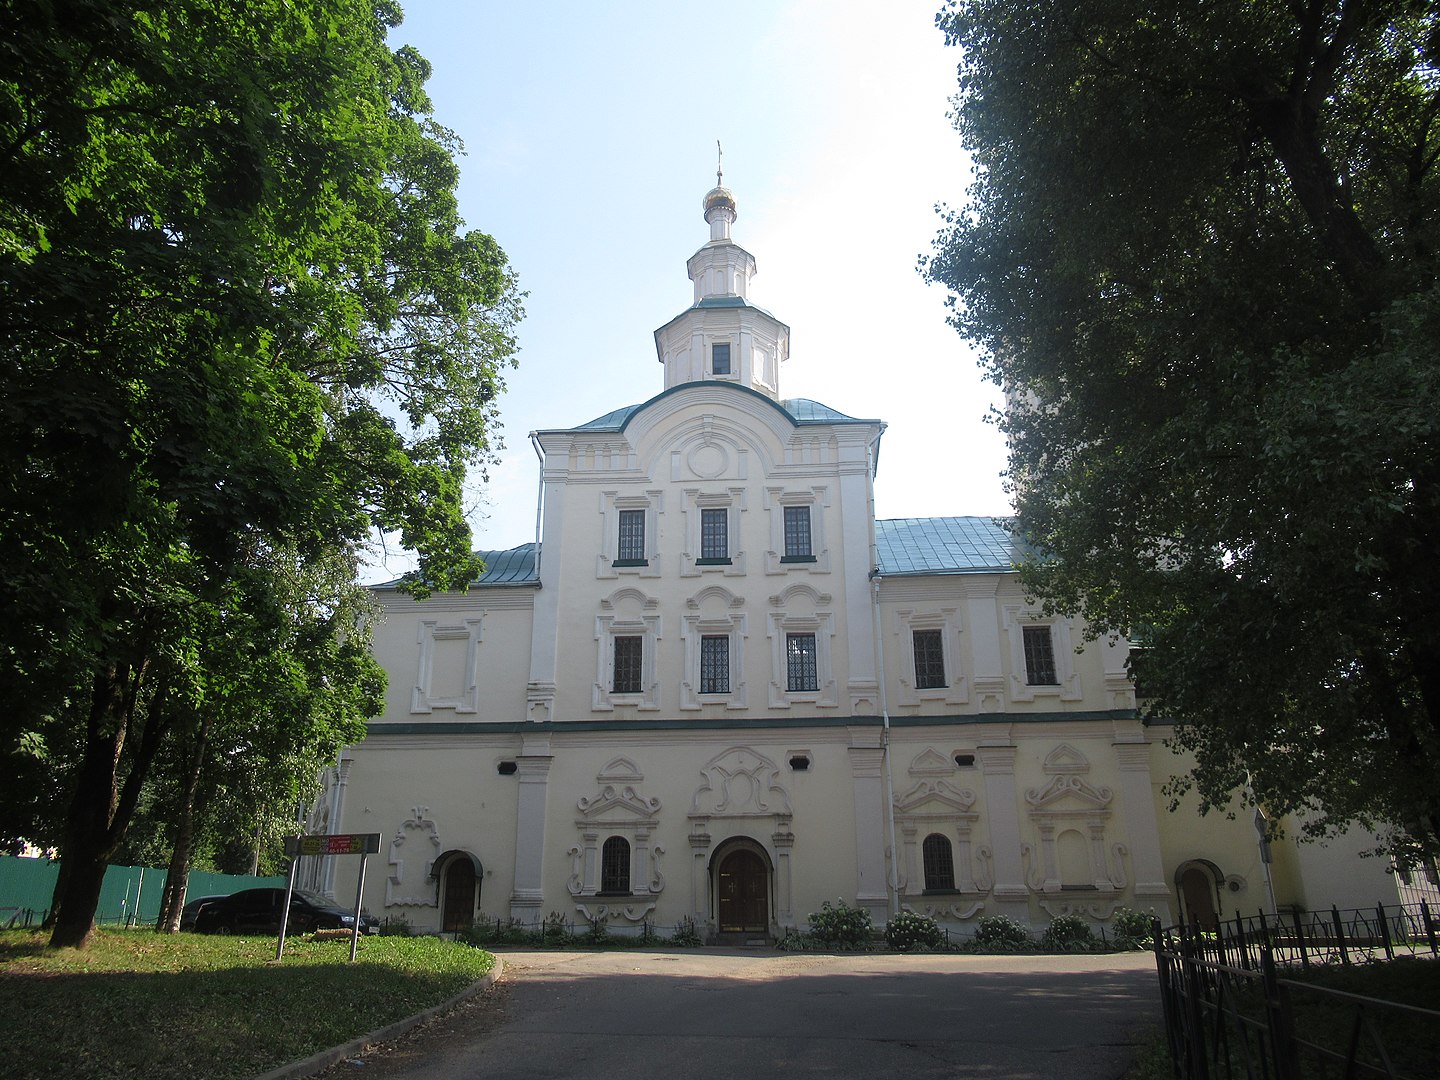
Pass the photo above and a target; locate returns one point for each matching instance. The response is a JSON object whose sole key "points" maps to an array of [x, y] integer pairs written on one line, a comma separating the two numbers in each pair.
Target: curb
{"points": [[336, 1054]]}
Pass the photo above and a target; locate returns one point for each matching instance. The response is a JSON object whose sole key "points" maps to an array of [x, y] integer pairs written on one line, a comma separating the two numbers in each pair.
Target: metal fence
{"points": [[1247, 998], [130, 895]]}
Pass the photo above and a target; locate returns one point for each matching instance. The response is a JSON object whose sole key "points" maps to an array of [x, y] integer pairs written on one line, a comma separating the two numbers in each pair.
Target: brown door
{"points": [[744, 893], [1197, 890], [459, 911]]}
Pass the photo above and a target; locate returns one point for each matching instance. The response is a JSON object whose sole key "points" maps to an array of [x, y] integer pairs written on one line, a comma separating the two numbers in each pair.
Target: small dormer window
{"points": [[720, 358]]}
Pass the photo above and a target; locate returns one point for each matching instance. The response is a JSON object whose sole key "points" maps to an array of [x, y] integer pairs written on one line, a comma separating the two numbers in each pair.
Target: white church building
{"points": [[719, 688]]}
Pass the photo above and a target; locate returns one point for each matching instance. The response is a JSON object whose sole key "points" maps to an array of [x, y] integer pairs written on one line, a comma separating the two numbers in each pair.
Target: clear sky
{"points": [[590, 134]]}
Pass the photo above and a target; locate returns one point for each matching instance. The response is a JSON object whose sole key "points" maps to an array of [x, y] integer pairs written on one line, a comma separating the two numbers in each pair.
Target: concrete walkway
{"points": [[697, 1014]]}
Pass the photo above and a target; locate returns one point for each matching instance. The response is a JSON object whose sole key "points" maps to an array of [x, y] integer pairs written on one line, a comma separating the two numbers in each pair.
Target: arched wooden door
{"points": [[1197, 893], [744, 887], [459, 910]]}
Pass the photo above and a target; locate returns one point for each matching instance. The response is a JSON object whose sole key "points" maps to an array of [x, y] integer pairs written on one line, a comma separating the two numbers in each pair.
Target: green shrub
{"points": [[1000, 933], [840, 924], [797, 941], [907, 931], [1132, 929], [687, 934], [599, 933], [1069, 933]]}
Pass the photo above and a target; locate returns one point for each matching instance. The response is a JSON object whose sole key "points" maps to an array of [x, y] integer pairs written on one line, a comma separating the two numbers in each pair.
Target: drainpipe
{"points": [[893, 876], [539, 499]]}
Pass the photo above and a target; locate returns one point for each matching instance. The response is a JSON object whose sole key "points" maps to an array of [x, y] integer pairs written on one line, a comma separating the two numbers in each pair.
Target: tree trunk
{"points": [[173, 902]]}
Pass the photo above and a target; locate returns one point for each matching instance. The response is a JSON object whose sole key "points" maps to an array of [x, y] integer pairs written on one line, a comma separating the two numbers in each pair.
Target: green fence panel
{"points": [[130, 895]]}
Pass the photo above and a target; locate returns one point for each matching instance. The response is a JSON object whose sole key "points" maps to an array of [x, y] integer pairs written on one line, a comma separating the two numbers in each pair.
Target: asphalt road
{"points": [[693, 1015]]}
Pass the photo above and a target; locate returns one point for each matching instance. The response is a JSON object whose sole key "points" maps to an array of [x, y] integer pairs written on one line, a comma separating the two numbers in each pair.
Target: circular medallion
{"points": [[708, 460]]}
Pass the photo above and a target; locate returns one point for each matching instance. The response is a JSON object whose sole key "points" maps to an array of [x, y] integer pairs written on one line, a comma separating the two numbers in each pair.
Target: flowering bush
{"points": [[1068, 933], [687, 934], [1000, 933], [840, 924], [1132, 929], [908, 930]]}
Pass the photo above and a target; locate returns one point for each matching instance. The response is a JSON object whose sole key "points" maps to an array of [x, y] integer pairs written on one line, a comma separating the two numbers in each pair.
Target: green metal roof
{"points": [[513, 566], [800, 410], [946, 545]]}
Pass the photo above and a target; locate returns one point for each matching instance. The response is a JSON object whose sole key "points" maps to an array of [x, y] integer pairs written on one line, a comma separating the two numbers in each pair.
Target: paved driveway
{"points": [[693, 1015]]}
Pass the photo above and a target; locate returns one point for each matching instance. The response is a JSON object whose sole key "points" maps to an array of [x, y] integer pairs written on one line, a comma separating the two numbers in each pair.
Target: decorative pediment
{"points": [[725, 597], [1069, 792], [795, 592], [413, 849], [1065, 759], [935, 796], [629, 595], [741, 782], [615, 804], [931, 763], [620, 770]]}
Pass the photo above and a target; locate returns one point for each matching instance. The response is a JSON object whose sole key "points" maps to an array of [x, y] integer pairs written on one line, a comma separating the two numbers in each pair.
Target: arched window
{"points": [[615, 866], [939, 862]]}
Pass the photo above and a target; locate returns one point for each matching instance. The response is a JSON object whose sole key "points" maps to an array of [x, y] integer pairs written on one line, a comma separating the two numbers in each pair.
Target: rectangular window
{"points": [[929, 660], [715, 664], [630, 551], [797, 534], [628, 652], [715, 535], [720, 358], [800, 668], [1039, 657]]}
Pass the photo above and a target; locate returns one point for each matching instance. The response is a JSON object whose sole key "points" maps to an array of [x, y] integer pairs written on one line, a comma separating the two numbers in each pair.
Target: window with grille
{"points": [[797, 534], [720, 358], [628, 653], [615, 866], [715, 534], [715, 664], [630, 550], [929, 660], [1040, 657], [801, 671], [939, 862]]}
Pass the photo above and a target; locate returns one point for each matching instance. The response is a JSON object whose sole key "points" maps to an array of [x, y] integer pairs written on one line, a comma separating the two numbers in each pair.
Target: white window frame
{"points": [[608, 627], [1067, 687], [732, 624], [956, 691], [732, 501], [822, 625], [611, 503], [734, 372], [817, 499]]}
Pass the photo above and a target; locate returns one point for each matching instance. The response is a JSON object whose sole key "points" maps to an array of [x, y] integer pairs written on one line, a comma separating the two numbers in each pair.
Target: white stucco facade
{"points": [[719, 689]]}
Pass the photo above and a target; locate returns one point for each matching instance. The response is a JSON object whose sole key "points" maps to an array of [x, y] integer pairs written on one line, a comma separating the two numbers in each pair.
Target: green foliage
{"points": [[840, 924], [908, 932], [1000, 933], [396, 926], [1132, 930], [244, 329], [1200, 255], [1069, 933], [687, 934]]}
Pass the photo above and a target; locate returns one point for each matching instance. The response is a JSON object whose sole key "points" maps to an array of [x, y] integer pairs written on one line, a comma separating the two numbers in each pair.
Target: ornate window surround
{"points": [[732, 500], [429, 632], [607, 628], [956, 690], [611, 503], [817, 498], [1067, 687], [616, 810], [734, 625], [822, 624]]}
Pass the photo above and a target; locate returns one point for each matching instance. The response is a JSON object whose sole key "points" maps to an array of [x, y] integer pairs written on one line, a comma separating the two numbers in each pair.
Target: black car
{"points": [[191, 911], [257, 911]]}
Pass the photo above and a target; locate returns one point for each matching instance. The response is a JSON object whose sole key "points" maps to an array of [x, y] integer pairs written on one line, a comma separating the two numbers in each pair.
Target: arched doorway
{"points": [[743, 892], [1198, 884], [457, 911]]}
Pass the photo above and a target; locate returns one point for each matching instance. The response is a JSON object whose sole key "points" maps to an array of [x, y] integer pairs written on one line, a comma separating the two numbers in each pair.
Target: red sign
{"points": [[333, 844]]}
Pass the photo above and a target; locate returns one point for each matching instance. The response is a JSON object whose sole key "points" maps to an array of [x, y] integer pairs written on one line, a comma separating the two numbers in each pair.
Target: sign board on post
{"points": [[362, 844]]}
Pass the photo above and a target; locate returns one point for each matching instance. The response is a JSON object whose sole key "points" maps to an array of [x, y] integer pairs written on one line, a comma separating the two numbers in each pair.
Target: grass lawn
{"points": [[141, 1004]]}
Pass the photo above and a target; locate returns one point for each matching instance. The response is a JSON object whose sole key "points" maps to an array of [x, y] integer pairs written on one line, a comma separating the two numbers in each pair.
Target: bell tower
{"points": [[722, 336]]}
